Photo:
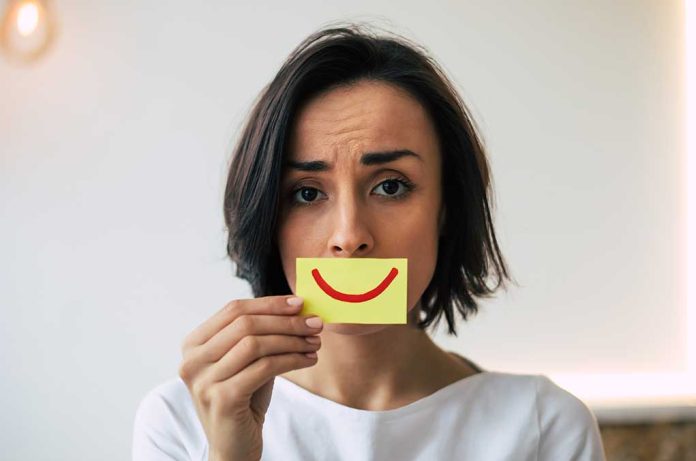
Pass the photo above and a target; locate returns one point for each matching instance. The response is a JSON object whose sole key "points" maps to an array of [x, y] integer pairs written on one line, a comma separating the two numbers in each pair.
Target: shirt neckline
{"points": [[328, 405]]}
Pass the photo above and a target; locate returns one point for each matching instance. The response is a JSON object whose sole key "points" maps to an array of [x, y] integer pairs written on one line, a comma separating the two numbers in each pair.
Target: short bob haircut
{"points": [[343, 54]]}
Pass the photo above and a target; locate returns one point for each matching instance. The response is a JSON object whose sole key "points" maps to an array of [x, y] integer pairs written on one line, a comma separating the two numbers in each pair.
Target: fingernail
{"points": [[295, 301], [314, 322], [313, 339]]}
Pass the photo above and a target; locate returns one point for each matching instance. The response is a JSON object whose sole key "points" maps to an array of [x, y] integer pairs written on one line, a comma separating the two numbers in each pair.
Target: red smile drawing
{"points": [[354, 298]]}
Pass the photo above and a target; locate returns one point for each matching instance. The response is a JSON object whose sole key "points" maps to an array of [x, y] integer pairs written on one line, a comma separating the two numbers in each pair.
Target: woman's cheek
{"points": [[294, 240], [421, 268]]}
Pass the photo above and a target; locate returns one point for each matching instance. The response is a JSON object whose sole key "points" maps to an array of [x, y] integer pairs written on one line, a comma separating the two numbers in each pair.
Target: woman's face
{"points": [[345, 208]]}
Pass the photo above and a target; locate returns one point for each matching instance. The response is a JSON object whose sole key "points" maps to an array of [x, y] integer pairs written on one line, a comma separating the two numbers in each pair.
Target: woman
{"points": [[359, 147]]}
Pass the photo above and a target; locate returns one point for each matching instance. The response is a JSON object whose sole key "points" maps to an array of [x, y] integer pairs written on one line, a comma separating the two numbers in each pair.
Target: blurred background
{"points": [[117, 121]]}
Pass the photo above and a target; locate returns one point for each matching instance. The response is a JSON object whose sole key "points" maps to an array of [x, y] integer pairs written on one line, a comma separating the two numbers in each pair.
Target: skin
{"points": [[350, 211]]}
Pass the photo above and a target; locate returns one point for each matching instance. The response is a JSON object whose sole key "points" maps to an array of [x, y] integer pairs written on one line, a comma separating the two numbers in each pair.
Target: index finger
{"points": [[278, 305]]}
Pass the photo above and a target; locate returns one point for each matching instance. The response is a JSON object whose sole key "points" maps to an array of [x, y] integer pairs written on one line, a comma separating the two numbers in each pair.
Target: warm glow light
{"points": [[27, 29], [690, 12], [27, 18]]}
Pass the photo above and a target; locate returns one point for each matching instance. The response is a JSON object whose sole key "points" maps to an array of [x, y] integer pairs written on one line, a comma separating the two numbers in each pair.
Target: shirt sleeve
{"points": [[155, 432], [568, 429]]}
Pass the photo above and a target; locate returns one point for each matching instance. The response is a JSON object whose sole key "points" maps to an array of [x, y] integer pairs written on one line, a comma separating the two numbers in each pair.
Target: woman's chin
{"points": [[354, 329], [358, 329]]}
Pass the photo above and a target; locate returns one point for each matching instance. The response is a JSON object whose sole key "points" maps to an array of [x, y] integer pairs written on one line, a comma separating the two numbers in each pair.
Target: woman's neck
{"points": [[387, 369]]}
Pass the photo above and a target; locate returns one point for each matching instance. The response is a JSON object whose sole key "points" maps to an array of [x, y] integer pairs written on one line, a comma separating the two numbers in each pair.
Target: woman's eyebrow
{"points": [[369, 158]]}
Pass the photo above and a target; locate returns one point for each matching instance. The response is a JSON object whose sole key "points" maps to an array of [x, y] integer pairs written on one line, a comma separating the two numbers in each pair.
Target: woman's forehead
{"points": [[368, 116]]}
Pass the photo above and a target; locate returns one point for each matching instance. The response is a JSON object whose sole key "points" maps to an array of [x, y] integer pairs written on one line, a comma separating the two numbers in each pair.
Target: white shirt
{"points": [[486, 416]]}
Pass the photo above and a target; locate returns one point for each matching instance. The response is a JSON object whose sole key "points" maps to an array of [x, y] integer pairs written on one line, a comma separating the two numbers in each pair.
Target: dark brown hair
{"points": [[468, 252]]}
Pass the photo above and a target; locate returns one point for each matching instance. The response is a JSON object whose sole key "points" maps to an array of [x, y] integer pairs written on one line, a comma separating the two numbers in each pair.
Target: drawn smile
{"points": [[354, 298]]}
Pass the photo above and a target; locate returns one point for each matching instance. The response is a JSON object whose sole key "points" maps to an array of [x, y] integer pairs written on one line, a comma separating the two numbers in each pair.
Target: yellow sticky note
{"points": [[353, 290]]}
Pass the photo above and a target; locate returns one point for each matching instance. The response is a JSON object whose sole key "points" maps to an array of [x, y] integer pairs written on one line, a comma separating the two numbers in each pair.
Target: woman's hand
{"points": [[229, 365]]}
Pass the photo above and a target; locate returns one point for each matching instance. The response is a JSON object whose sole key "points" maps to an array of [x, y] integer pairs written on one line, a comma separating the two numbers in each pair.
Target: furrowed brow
{"points": [[370, 158]]}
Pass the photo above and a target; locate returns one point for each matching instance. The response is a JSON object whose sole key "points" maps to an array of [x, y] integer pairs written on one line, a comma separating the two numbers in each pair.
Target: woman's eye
{"points": [[391, 186], [305, 195]]}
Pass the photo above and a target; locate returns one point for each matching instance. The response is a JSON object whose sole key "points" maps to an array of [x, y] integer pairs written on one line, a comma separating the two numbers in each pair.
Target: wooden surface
{"points": [[653, 442]]}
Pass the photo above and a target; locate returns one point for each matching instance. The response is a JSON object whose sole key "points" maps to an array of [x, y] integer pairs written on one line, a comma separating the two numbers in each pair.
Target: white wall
{"points": [[112, 164]]}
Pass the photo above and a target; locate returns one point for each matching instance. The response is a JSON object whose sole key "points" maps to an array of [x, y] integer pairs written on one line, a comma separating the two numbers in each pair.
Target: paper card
{"points": [[353, 290]]}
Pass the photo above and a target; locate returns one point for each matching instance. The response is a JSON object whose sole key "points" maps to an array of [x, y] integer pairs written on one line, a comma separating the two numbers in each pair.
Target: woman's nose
{"points": [[350, 233]]}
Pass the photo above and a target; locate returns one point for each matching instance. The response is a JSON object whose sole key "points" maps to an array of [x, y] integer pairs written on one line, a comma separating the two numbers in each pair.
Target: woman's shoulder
{"points": [[169, 399], [171, 389], [558, 406], [552, 401], [166, 421], [566, 426]]}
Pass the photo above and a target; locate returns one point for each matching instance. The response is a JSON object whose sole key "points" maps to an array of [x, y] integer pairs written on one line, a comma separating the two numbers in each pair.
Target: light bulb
{"points": [[27, 18], [27, 29]]}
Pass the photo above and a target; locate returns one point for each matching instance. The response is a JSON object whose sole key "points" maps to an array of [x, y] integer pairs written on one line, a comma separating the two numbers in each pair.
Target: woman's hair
{"points": [[334, 56]]}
